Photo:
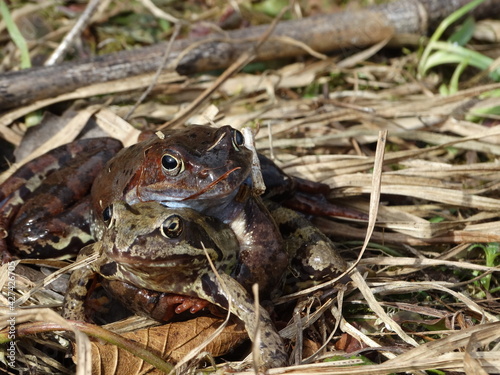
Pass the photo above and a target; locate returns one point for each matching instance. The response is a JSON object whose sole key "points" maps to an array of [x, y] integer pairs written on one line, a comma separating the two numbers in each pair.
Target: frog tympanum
{"points": [[166, 250]]}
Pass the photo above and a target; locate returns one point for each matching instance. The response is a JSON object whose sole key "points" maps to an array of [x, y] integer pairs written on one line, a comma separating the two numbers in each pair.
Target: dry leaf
{"points": [[171, 341], [348, 343], [310, 347]]}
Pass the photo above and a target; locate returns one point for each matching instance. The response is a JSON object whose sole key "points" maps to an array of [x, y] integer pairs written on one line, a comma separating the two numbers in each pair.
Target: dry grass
{"points": [[421, 297]]}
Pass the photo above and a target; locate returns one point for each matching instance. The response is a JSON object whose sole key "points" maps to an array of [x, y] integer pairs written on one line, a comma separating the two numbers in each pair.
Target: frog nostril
{"points": [[203, 174]]}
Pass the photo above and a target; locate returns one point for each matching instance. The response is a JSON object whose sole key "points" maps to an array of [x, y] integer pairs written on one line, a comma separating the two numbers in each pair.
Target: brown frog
{"points": [[314, 259], [198, 166], [206, 169], [34, 201], [166, 250]]}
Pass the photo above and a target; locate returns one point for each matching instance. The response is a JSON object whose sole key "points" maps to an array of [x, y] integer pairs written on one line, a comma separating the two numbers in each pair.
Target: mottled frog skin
{"points": [[206, 169], [165, 250], [34, 202], [314, 259], [198, 167]]}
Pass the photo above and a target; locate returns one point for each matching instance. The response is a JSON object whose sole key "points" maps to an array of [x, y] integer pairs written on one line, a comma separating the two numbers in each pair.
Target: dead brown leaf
{"points": [[170, 341]]}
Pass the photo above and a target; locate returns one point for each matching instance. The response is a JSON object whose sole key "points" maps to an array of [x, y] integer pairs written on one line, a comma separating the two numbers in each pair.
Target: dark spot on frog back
{"points": [[125, 173], [212, 289], [108, 269], [287, 229], [23, 191], [202, 134], [136, 212], [132, 227]]}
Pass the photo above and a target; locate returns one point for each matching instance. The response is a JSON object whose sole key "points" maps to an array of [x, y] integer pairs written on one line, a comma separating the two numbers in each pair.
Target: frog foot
{"points": [[192, 304], [168, 305], [157, 305]]}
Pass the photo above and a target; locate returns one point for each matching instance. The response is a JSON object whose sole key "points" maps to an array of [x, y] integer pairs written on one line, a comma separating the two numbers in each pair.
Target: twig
{"points": [[243, 60], [321, 33], [158, 12], [164, 60], [82, 22]]}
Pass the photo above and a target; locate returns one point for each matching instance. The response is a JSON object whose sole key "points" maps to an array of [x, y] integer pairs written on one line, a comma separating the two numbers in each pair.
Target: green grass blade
{"points": [[16, 35], [442, 28]]}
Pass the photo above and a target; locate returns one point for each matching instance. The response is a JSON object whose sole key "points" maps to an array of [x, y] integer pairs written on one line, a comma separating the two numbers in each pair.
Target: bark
{"points": [[323, 34]]}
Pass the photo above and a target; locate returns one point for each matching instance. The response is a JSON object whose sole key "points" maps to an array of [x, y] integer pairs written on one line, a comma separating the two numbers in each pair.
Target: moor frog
{"points": [[166, 250], [206, 169], [314, 259], [44, 205]]}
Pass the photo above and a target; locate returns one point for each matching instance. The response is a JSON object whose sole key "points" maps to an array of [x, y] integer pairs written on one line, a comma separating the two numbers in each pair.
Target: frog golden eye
{"points": [[172, 226], [238, 139], [107, 215], [171, 164]]}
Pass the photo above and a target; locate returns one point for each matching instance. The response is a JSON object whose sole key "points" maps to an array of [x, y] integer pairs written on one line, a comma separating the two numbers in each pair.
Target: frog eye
{"points": [[107, 215], [238, 139], [172, 226], [171, 164]]}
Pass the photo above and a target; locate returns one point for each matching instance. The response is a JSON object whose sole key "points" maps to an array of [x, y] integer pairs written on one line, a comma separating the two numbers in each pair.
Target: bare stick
{"points": [[158, 72], [321, 33], [82, 22]]}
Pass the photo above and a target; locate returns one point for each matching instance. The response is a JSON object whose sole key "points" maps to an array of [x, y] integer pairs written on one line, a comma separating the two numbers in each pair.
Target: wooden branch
{"points": [[323, 34]]}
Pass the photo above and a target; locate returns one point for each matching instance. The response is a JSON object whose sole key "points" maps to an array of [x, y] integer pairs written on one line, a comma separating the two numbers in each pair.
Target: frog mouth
{"points": [[172, 261], [212, 184]]}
